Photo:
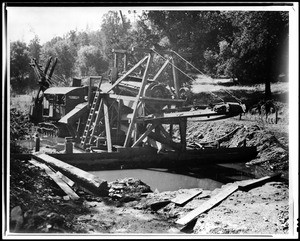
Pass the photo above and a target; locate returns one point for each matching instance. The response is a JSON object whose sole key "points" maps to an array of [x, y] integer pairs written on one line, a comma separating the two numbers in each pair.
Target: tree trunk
{"points": [[268, 92]]}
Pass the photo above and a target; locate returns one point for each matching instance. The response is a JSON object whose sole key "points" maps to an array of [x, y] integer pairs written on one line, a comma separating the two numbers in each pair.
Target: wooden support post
{"points": [[143, 136], [107, 126], [90, 92], [135, 109], [135, 132], [119, 111], [37, 143], [171, 131], [175, 78], [128, 73], [182, 127], [68, 145], [115, 60], [125, 62]]}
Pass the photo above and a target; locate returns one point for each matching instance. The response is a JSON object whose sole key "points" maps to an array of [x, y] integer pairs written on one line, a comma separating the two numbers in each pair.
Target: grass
{"points": [[212, 90], [21, 102]]}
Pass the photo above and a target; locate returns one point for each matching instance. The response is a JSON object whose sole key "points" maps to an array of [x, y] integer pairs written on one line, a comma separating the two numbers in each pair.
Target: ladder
{"points": [[90, 124]]}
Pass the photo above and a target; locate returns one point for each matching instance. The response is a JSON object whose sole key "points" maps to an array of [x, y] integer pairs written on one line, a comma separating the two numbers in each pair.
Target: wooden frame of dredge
{"points": [[131, 125]]}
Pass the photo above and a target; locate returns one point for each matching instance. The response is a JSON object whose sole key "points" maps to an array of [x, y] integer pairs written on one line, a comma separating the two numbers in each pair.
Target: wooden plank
{"points": [[107, 126], [65, 179], [64, 186], [20, 156], [208, 204], [36, 163], [146, 99], [185, 197], [82, 178], [159, 204], [257, 182], [207, 115]]}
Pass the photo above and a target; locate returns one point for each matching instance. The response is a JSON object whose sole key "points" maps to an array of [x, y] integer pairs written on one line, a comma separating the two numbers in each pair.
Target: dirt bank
{"points": [[271, 141]]}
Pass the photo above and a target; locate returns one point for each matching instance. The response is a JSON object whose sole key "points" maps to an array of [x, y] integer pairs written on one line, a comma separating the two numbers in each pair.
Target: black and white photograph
{"points": [[150, 121]]}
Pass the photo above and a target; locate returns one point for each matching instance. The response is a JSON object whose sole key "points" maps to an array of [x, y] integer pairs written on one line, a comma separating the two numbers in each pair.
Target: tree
{"points": [[256, 46], [19, 66], [66, 54], [90, 61], [34, 49], [116, 33], [195, 32], [240, 44], [189, 30]]}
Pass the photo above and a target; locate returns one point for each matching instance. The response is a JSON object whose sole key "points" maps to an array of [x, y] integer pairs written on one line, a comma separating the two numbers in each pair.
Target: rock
{"points": [[16, 216], [67, 198]]}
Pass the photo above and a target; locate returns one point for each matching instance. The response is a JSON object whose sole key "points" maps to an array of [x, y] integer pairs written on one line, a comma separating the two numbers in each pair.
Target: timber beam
{"points": [[84, 179], [147, 157]]}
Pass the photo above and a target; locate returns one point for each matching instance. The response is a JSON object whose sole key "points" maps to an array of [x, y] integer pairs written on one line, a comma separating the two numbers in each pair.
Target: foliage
{"points": [[116, 32], [35, 48], [248, 45], [255, 49], [19, 66], [34, 52], [90, 61], [64, 51]]}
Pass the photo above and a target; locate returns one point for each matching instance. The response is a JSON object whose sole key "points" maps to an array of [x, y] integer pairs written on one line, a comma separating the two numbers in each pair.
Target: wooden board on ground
{"points": [[208, 204], [158, 204], [64, 186], [84, 179], [185, 197], [65, 179], [256, 182]]}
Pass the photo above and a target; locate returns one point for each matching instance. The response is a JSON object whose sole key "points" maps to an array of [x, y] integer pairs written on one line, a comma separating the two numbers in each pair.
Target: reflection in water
{"points": [[162, 181]]}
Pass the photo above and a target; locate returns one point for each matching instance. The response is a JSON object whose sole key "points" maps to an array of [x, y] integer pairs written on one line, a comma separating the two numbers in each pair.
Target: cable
{"points": [[173, 65], [186, 74], [190, 64], [237, 99]]}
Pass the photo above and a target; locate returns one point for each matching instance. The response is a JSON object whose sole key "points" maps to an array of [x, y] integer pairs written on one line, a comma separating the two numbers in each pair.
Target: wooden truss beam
{"points": [[150, 128], [135, 109], [128, 73]]}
